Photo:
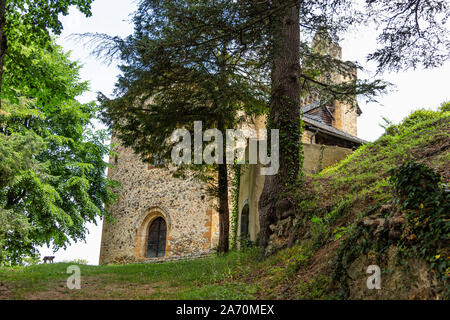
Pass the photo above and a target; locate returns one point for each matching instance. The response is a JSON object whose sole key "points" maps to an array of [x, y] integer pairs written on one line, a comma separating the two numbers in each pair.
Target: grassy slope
{"points": [[340, 197], [198, 279], [330, 205], [358, 187]]}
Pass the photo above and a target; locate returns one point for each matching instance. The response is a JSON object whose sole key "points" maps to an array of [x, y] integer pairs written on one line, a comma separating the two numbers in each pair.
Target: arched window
{"points": [[156, 242], [244, 222]]}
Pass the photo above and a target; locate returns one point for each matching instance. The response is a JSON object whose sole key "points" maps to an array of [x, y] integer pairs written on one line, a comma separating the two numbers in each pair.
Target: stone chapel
{"points": [[159, 217]]}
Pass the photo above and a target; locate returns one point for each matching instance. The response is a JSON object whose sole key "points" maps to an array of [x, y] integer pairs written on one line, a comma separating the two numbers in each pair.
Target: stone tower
{"points": [[345, 114], [330, 135], [158, 216], [162, 217]]}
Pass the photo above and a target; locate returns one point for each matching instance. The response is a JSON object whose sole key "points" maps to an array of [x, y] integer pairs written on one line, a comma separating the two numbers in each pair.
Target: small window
{"points": [[245, 217]]}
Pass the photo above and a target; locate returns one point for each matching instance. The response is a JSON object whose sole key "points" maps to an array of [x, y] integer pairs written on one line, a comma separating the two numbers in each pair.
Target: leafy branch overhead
{"points": [[208, 60], [25, 23], [413, 33], [51, 161]]}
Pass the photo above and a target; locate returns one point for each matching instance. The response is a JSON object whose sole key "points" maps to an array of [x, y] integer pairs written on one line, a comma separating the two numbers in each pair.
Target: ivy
{"points": [[426, 204], [235, 204]]}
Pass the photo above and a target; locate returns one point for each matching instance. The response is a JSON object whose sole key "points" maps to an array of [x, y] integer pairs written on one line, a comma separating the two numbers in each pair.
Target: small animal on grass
{"points": [[48, 258]]}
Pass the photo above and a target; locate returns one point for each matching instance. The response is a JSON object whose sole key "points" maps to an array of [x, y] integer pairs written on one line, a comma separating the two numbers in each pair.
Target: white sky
{"points": [[414, 89], [111, 17]]}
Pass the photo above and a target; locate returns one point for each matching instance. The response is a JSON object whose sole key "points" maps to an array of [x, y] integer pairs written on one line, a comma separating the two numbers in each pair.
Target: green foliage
{"points": [[416, 185], [43, 15], [319, 231], [380, 173], [357, 241], [235, 204], [426, 203], [225, 291], [77, 261], [365, 173], [412, 33], [175, 71], [294, 258], [26, 24], [445, 107], [53, 173], [322, 225], [315, 289], [416, 117], [291, 148], [419, 195], [170, 79], [214, 277]]}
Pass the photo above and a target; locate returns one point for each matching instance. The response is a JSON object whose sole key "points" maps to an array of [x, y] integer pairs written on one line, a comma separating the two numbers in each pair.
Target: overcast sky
{"points": [[414, 89]]}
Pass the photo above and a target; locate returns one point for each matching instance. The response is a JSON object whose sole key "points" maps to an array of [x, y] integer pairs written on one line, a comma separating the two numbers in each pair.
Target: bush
{"points": [[445, 107], [426, 203], [416, 185], [77, 261], [418, 116]]}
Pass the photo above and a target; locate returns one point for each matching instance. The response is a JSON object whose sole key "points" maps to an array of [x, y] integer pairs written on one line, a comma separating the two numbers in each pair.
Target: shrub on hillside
{"points": [[415, 118], [426, 203]]}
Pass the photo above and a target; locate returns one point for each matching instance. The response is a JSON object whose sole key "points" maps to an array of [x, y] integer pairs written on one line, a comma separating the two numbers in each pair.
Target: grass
{"points": [[330, 206], [206, 278], [339, 194], [236, 276], [333, 203]]}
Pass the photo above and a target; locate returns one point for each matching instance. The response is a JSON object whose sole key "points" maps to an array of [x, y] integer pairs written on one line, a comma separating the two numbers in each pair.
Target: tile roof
{"points": [[313, 121], [313, 105]]}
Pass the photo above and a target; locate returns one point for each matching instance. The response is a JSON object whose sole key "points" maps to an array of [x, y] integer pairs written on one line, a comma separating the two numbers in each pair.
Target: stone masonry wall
{"points": [[346, 112], [147, 193], [316, 157]]}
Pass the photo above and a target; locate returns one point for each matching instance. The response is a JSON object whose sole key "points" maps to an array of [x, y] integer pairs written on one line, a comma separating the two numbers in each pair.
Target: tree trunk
{"points": [[284, 115], [3, 42], [224, 213], [224, 219]]}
